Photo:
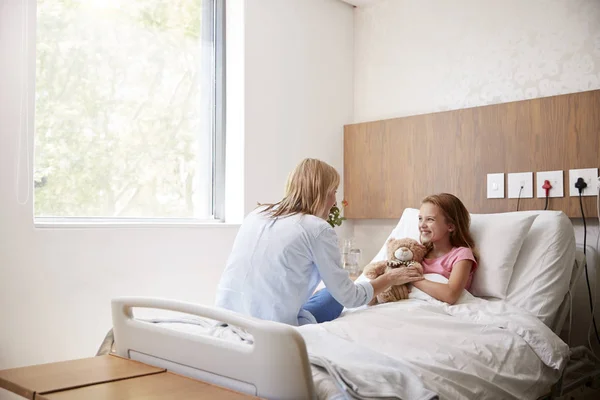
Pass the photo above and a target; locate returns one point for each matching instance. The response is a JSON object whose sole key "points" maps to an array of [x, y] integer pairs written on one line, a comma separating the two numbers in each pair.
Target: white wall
{"points": [[56, 284], [299, 90], [433, 55]]}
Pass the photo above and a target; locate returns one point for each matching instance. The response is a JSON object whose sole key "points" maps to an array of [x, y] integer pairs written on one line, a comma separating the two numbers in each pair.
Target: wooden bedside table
{"points": [[107, 377]]}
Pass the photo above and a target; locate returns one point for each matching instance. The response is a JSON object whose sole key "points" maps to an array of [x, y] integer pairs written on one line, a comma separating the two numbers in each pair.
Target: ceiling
{"points": [[360, 3]]}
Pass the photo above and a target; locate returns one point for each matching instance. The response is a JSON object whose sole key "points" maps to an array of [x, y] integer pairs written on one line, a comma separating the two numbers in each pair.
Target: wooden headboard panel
{"points": [[392, 164]]}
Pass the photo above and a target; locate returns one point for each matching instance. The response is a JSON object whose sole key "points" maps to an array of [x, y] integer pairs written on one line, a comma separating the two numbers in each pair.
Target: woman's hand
{"points": [[397, 276], [401, 276]]}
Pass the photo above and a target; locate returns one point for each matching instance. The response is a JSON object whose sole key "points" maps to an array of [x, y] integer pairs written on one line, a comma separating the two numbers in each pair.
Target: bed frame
{"points": [[275, 365]]}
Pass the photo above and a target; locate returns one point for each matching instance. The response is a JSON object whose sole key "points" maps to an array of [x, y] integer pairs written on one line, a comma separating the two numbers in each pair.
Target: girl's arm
{"points": [[451, 291]]}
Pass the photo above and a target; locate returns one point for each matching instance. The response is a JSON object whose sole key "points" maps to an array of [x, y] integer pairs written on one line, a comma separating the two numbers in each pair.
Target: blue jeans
{"points": [[323, 306]]}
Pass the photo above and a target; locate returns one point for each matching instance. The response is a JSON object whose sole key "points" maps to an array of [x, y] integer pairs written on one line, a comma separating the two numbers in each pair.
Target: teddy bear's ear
{"points": [[391, 247], [393, 243]]}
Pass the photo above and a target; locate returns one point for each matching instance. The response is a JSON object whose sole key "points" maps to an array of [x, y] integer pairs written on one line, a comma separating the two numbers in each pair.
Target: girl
{"points": [[283, 250], [444, 223]]}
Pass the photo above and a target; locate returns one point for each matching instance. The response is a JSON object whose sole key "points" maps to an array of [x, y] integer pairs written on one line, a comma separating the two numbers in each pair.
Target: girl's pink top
{"points": [[443, 265]]}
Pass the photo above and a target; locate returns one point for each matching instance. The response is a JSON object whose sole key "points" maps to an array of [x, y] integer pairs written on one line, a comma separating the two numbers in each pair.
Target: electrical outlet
{"points": [[589, 175], [495, 186], [515, 181], [556, 180]]}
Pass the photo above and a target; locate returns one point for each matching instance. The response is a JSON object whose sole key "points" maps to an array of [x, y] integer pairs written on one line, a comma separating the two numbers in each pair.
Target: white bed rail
{"points": [[275, 366]]}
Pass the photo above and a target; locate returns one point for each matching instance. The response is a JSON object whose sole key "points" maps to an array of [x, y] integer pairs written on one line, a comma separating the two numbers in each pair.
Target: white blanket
{"points": [[473, 349]]}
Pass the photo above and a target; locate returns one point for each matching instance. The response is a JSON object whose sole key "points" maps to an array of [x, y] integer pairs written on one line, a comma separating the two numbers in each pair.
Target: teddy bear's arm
{"points": [[375, 269], [387, 296], [400, 292], [394, 293]]}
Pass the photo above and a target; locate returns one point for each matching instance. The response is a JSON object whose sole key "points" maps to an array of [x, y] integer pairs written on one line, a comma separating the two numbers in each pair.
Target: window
{"points": [[129, 110]]}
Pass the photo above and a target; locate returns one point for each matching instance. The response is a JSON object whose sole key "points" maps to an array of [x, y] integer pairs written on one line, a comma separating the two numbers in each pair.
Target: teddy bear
{"points": [[400, 253]]}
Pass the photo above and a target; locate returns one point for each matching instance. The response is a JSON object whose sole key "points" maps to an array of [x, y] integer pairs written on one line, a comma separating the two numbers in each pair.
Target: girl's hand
{"points": [[401, 276]]}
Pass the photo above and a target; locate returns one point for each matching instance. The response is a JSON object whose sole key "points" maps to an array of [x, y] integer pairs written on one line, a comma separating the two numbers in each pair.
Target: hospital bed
{"points": [[502, 344]]}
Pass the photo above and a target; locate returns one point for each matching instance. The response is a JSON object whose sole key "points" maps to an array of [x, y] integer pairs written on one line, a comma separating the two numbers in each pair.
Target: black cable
{"points": [[519, 198], [587, 278], [546, 206]]}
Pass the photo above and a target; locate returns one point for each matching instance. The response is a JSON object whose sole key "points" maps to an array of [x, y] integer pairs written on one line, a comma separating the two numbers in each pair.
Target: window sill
{"points": [[132, 224]]}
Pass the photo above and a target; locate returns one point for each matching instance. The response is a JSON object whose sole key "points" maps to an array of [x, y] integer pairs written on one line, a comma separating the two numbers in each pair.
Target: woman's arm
{"points": [[451, 291]]}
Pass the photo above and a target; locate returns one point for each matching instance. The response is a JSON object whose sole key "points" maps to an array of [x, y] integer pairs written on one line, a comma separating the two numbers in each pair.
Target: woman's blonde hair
{"points": [[306, 190], [456, 214]]}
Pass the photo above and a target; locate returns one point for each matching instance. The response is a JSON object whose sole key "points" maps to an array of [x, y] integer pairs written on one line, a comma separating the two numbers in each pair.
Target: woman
{"points": [[283, 250]]}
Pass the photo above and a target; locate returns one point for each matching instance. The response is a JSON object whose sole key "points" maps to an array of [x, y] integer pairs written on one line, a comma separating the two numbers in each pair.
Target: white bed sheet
{"points": [[474, 349]]}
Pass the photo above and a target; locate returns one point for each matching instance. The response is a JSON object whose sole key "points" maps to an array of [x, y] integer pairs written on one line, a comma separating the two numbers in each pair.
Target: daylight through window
{"points": [[128, 115]]}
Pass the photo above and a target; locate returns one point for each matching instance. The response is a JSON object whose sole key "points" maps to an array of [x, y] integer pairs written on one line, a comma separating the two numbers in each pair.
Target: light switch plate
{"points": [[556, 180], [495, 186], [590, 175], [515, 181]]}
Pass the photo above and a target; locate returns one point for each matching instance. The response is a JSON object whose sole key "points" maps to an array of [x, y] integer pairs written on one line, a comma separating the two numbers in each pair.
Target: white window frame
{"points": [[218, 141], [219, 117]]}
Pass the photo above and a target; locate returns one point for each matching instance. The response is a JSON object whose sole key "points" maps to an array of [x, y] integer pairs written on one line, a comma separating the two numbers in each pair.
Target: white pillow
{"points": [[542, 271], [499, 238]]}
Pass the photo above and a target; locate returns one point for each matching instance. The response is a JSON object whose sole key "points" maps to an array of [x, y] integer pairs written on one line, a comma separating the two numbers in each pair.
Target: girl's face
{"points": [[432, 224]]}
